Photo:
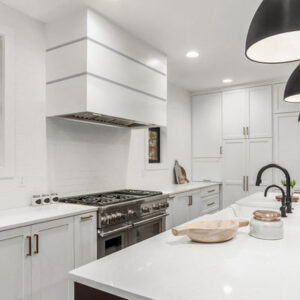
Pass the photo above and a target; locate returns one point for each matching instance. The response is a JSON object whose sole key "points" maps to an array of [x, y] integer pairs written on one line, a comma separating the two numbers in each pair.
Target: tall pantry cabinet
{"points": [[232, 139]]}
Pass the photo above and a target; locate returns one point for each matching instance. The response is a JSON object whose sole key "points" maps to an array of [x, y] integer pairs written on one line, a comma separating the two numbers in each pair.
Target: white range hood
{"points": [[97, 72]]}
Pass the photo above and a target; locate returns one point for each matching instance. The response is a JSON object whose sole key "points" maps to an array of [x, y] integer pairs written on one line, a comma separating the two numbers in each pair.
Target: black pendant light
{"points": [[292, 89], [274, 33]]}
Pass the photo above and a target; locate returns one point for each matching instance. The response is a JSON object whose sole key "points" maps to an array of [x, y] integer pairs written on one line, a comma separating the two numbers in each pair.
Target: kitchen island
{"points": [[169, 267]]}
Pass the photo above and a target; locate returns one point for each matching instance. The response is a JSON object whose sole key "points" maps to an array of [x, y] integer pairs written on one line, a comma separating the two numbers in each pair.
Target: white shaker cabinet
{"points": [[247, 113], [207, 125], [242, 160], [35, 260], [235, 114], [281, 106], [85, 239], [260, 112], [52, 259], [287, 145], [15, 264]]}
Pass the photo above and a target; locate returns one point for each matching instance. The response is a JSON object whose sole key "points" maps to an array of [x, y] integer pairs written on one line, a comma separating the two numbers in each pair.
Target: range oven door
{"points": [[147, 228], [112, 241]]}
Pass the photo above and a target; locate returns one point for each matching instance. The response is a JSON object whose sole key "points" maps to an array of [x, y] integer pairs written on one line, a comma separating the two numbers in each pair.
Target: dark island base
{"points": [[83, 292]]}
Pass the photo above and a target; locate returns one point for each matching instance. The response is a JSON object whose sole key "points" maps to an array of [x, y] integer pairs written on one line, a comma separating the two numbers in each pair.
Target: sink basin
{"points": [[259, 201]]}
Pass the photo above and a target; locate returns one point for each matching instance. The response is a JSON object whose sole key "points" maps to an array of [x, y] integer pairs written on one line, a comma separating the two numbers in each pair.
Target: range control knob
{"points": [[114, 217], [108, 219], [119, 216], [155, 206], [161, 205], [145, 209], [167, 204], [103, 220], [131, 213]]}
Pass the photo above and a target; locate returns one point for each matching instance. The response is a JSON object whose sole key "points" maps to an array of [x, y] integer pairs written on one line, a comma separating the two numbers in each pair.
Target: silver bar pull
{"points": [[247, 131], [247, 183], [190, 201], [244, 183], [221, 150], [244, 131]]}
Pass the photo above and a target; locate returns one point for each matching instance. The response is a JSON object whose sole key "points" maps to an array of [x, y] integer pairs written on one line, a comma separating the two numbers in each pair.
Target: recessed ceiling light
{"points": [[192, 54], [227, 80]]}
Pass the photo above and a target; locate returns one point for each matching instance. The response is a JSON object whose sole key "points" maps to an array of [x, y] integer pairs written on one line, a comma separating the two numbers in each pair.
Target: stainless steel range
{"points": [[125, 217]]}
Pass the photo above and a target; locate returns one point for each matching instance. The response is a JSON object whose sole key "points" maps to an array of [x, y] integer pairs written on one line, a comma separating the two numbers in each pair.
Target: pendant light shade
{"points": [[274, 33], [292, 89]]}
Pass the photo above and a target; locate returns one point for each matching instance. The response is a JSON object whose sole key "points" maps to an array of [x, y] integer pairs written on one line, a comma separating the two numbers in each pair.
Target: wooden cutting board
{"points": [[210, 231]]}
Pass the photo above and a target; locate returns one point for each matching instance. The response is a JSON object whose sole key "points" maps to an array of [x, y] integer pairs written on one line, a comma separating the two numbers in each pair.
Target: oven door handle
{"points": [[149, 220], [105, 234]]}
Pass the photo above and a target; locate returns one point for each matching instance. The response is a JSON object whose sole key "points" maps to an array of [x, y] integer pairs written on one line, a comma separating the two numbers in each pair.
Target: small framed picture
{"points": [[154, 145]]}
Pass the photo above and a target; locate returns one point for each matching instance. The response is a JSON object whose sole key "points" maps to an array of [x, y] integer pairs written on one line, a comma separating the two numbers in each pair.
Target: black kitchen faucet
{"points": [[288, 183], [283, 202]]}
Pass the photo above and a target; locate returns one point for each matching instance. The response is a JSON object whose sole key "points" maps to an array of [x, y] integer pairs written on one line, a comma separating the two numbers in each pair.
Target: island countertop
{"points": [[169, 267]]}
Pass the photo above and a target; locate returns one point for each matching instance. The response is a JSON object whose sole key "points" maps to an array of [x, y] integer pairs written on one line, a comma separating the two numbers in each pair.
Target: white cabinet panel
{"points": [[207, 169], [195, 207], [207, 125], [259, 154], [15, 265], [235, 113], [180, 210], [52, 259], [85, 239], [281, 106], [260, 112], [234, 161], [287, 145]]}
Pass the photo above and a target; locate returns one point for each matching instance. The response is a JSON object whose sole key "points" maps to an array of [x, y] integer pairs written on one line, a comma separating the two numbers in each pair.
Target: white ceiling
{"points": [[215, 28]]}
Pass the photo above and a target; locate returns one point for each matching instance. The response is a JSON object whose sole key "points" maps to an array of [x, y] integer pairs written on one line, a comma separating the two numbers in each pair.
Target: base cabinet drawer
{"points": [[210, 204], [211, 190]]}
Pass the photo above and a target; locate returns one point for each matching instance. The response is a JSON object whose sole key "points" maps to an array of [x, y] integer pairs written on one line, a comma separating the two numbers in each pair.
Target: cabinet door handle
{"points": [[210, 204], [190, 201], [244, 131], [221, 150], [247, 130], [86, 218], [247, 183], [29, 245], [36, 251], [244, 183]]}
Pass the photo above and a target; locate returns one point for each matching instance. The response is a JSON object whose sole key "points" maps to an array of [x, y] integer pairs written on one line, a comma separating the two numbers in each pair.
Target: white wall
{"points": [[31, 167], [65, 156], [178, 145]]}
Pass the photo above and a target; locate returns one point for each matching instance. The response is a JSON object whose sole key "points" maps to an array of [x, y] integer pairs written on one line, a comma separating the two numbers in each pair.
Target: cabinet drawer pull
{"points": [[210, 204], [86, 218], [36, 251], [211, 191], [190, 201], [244, 130], [29, 245]]}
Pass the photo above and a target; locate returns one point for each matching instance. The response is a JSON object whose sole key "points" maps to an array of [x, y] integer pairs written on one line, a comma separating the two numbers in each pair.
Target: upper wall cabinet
{"points": [[235, 113], [207, 125], [281, 106], [98, 72], [247, 113]]}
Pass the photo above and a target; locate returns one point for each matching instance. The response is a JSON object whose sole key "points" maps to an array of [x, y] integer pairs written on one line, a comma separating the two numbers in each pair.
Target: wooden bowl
{"points": [[294, 198], [210, 231]]}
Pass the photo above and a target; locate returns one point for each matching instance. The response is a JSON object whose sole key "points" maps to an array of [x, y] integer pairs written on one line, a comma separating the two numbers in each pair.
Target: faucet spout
{"points": [[283, 203], [288, 183]]}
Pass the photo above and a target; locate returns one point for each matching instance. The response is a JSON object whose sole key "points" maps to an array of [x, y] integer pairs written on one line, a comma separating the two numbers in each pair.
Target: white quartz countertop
{"points": [[173, 189], [168, 267], [17, 217]]}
